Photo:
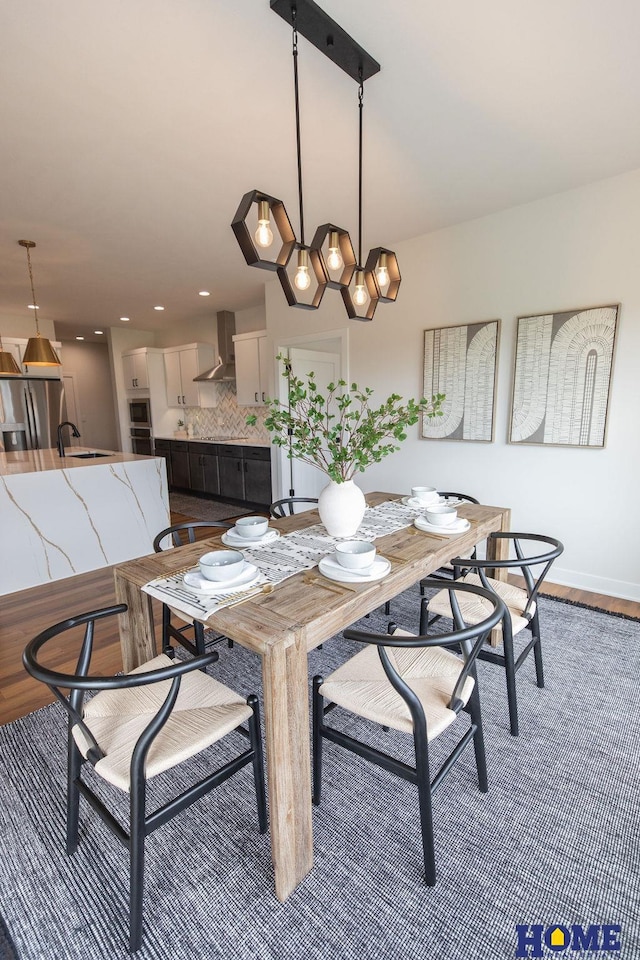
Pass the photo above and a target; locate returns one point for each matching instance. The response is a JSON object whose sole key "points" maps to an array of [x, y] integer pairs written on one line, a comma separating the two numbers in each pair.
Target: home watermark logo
{"points": [[534, 939]]}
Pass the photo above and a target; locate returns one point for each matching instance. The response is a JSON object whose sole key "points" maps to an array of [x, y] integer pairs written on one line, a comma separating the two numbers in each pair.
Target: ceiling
{"points": [[132, 128]]}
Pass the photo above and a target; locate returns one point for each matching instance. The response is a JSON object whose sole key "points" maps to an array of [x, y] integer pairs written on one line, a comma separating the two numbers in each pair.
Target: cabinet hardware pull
{"points": [[178, 398], [246, 466], [183, 397], [263, 396], [256, 396]]}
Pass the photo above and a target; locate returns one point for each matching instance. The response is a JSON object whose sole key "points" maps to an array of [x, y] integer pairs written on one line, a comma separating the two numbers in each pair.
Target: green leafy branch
{"points": [[338, 431]]}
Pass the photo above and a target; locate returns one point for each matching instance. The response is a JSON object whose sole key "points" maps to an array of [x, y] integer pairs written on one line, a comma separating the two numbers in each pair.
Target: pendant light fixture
{"points": [[304, 278], [8, 365], [39, 352], [361, 296], [261, 224]]}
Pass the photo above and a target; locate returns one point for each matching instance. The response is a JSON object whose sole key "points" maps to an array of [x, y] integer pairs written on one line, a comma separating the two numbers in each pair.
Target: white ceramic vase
{"points": [[341, 507]]}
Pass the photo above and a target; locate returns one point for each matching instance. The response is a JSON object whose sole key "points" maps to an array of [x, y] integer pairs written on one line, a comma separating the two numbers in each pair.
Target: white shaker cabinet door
{"points": [[173, 379], [188, 370], [248, 385]]}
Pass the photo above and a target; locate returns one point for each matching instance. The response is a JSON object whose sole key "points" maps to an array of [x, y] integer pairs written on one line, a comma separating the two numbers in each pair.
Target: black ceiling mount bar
{"points": [[328, 37]]}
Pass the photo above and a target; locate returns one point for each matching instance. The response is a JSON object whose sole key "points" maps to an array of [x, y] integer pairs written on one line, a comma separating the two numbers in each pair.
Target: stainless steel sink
{"points": [[89, 456]]}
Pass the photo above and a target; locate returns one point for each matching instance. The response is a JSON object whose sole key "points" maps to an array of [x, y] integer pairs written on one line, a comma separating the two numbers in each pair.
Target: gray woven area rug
{"points": [[199, 508], [555, 841]]}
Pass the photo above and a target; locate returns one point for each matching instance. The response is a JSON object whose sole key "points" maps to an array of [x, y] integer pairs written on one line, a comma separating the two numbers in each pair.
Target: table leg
{"points": [[137, 637], [286, 710], [498, 549]]}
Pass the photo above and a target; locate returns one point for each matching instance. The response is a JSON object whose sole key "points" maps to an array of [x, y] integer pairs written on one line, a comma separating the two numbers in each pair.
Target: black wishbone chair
{"points": [[446, 571], [138, 725], [522, 610], [415, 685], [177, 535], [287, 506]]}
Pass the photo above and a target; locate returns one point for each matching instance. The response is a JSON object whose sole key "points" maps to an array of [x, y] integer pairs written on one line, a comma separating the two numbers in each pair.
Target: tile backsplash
{"points": [[227, 419]]}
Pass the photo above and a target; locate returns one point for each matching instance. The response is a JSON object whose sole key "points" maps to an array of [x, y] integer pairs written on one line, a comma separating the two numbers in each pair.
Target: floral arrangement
{"points": [[339, 432]]}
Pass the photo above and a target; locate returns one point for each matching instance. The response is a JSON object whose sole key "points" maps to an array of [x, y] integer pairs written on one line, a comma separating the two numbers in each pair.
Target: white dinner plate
{"points": [[330, 568], [459, 525], [421, 504], [194, 580], [232, 539]]}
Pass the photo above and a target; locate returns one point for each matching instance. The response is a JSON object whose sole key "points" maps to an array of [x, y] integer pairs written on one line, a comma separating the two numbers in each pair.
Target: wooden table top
{"points": [[296, 607]]}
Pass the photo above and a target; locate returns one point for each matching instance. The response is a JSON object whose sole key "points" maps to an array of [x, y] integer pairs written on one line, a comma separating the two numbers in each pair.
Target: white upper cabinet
{"points": [[135, 370], [252, 366], [181, 365]]}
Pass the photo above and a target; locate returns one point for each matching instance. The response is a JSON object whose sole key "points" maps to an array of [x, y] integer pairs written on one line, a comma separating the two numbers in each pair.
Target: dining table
{"points": [[281, 627]]}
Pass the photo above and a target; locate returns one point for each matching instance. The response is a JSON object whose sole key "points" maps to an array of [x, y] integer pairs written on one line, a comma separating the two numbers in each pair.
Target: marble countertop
{"points": [[40, 461], [236, 441]]}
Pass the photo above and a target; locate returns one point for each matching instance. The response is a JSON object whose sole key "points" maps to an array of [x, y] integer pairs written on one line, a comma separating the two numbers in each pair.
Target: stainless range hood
{"points": [[224, 370]]}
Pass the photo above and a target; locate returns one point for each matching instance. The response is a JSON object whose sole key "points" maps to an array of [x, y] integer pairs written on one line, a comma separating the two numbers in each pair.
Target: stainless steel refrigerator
{"points": [[30, 411]]}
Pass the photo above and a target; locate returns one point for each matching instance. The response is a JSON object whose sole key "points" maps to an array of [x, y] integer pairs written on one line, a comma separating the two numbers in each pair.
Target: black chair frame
{"points": [[508, 660], [284, 507], [448, 495], [467, 638], [141, 823], [197, 646]]}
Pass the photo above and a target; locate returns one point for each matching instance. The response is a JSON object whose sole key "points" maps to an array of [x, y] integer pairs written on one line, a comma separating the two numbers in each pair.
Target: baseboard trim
{"points": [[585, 581]]}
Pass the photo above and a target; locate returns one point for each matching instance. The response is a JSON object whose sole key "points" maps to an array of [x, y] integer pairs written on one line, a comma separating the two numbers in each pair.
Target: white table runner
{"points": [[290, 554]]}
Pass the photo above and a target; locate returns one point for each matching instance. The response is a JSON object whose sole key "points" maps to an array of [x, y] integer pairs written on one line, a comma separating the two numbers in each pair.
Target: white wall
{"points": [[576, 249], [89, 364]]}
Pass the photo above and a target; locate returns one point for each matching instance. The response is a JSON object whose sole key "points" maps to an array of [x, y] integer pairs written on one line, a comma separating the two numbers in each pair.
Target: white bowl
{"points": [[355, 554], [221, 564], [251, 527], [441, 515], [424, 494]]}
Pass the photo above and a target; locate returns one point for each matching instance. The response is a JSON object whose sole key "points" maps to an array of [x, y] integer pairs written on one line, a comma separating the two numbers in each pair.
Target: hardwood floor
{"points": [[26, 613]]}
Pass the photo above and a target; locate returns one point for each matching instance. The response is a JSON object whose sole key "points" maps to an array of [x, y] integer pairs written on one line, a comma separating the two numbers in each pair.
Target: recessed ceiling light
{"points": [[33, 306], [79, 338], [125, 319], [158, 308], [98, 331], [204, 293]]}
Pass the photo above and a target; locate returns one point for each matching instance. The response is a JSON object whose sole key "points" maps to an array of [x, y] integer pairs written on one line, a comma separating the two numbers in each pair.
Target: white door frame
{"points": [[309, 341]]}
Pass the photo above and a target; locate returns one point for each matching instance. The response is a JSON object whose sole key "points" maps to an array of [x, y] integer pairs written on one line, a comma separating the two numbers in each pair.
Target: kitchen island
{"points": [[68, 515]]}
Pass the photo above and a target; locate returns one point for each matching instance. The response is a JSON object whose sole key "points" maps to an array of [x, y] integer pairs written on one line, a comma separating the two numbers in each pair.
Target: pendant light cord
{"points": [[297, 100], [33, 292], [360, 105]]}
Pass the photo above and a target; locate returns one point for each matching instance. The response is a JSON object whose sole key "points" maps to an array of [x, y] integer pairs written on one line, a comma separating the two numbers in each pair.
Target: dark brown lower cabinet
{"points": [[226, 471]]}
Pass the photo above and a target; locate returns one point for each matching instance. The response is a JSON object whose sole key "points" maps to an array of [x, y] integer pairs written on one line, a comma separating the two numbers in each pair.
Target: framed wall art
{"points": [[562, 377], [461, 363]]}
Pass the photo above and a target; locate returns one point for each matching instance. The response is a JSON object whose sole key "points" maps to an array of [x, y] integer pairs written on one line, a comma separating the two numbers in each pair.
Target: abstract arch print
{"points": [[562, 377], [461, 363]]}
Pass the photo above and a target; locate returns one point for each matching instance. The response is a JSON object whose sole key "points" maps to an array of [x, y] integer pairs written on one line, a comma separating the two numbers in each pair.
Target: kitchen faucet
{"points": [[76, 433]]}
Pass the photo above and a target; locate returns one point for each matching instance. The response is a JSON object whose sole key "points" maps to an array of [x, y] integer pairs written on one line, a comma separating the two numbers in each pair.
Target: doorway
{"points": [[326, 356]]}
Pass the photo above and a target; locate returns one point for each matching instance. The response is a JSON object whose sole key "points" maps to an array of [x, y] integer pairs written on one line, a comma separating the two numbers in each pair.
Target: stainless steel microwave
{"points": [[140, 413]]}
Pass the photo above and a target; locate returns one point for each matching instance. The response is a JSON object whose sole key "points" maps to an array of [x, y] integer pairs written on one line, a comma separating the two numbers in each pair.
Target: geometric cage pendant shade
{"points": [[383, 264], [263, 231]]}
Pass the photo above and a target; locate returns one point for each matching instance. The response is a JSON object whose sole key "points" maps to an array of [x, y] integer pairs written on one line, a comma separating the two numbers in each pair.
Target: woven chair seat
{"points": [[205, 711], [361, 686], [474, 609]]}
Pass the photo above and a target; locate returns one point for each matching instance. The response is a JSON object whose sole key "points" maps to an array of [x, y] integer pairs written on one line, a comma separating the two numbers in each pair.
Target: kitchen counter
{"points": [[235, 441], [37, 461], [64, 515]]}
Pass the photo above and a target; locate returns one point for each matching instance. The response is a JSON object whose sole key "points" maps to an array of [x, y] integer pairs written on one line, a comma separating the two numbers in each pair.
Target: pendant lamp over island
{"points": [[261, 224], [8, 365], [39, 351]]}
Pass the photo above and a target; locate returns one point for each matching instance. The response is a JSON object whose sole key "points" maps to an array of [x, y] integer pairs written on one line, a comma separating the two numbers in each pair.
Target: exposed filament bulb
{"points": [[302, 279], [264, 234], [334, 259]]}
